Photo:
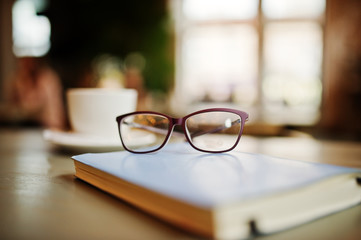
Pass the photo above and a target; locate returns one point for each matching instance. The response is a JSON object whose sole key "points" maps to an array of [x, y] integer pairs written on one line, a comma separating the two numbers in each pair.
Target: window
{"points": [[31, 33], [261, 56]]}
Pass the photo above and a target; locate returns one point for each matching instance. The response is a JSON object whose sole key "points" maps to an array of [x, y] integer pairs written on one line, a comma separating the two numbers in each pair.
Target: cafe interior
{"points": [[293, 66]]}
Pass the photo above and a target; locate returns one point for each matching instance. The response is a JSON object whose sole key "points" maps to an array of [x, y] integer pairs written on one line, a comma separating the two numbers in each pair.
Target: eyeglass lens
{"points": [[209, 131], [144, 132], [213, 131]]}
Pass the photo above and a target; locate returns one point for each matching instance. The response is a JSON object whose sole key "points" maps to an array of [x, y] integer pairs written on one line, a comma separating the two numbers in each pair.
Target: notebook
{"points": [[227, 196]]}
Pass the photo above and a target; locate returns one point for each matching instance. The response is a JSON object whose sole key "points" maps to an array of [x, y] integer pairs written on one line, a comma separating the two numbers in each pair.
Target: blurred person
{"points": [[34, 95]]}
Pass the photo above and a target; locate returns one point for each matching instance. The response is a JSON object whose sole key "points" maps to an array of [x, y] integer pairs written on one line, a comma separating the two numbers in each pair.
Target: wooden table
{"points": [[41, 199]]}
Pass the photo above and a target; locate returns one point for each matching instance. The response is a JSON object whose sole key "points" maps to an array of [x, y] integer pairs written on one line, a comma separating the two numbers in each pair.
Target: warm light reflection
{"points": [[108, 71]]}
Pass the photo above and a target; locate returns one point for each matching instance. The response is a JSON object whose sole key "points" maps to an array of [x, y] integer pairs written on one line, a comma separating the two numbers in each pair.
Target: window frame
{"points": [[258, 111]]}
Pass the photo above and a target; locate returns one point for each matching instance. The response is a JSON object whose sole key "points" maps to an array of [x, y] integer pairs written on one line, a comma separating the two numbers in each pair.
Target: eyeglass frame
{"points": [[182, 122]]}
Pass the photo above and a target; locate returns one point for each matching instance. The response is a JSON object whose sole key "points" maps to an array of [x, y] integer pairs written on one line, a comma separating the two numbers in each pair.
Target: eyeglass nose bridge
{"points": [[177, 121]]}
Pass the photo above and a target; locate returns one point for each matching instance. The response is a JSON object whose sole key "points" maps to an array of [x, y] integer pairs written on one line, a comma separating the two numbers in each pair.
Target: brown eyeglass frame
{"points": [[182, 122]]}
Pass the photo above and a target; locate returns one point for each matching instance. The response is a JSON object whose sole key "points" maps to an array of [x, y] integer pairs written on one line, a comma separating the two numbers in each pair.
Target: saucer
{"points": [[87, 142]]}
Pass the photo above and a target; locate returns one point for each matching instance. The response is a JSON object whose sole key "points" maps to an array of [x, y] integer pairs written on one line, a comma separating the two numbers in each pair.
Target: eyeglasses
{"points": [[213, 130]]}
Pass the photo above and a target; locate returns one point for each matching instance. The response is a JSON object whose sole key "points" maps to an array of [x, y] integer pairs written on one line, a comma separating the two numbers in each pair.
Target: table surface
{"points": [[41, 199]]}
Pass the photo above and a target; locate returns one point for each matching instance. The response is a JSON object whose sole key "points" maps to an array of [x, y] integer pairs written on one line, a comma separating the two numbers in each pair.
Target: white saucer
{"points": [[89, 143]]}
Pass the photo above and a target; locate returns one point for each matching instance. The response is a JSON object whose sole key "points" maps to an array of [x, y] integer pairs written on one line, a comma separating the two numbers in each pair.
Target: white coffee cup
{"points": [[93, 110]]}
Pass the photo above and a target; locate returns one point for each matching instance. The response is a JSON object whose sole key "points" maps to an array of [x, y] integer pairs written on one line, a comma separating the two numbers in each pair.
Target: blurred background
{"points": [[289, 64]]}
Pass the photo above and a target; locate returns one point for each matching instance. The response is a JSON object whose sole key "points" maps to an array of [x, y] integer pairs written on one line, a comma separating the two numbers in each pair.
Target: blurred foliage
{"points": [[85, 29]]}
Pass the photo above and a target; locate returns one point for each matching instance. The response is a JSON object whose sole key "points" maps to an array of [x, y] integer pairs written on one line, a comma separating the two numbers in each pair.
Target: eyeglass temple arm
{"points": [[218, 129], [165, 132], [152, 129]]}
